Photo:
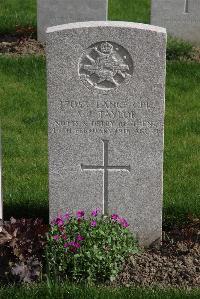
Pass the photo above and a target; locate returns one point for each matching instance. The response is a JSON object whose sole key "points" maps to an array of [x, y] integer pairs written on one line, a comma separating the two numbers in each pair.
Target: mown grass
{"points": [[182, 140], [23, 112], [129, 10], [14, 13], [63, 291]]}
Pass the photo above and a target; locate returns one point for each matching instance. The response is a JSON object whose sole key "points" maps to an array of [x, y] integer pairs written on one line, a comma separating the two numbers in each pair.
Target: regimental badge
{"points": [[105, 66]]}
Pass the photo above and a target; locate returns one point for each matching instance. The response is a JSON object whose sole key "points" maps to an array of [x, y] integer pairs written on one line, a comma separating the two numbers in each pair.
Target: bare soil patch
{"points": [[20, 45], [175, 264]]}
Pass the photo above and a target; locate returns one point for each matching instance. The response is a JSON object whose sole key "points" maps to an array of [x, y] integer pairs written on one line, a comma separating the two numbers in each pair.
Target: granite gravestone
{"points": [[180, 17], [106, 85], [56, 12]]}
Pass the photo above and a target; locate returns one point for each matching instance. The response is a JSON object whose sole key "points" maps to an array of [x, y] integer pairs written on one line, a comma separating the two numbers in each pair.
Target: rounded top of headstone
{"points": [[115, 24]]}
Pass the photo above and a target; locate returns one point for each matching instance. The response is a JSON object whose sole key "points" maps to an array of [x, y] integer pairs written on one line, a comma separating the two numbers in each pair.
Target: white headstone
{"points": [[56, 12], [106, 98], [181, 18]]}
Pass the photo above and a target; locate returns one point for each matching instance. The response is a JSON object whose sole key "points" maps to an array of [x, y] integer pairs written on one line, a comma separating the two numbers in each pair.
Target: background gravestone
{"points": [[106, 111], [56, 12], [180, 17]]}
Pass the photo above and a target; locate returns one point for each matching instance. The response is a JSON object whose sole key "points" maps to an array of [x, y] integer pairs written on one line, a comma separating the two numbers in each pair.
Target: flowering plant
{"points": [[89, 249]]}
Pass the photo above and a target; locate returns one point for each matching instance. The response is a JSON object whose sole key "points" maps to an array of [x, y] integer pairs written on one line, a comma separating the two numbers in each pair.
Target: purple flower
{"points": [[80, 238], [120, 220], [115, 217], [123, 222], [93, 223], [77, 245], [80, 214], [66, 216], [59, 221], [95, 212], [56, 237]]}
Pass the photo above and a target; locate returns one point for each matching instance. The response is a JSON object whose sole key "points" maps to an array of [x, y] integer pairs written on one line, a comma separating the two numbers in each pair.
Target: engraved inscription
{"points": [[66, 105], [105, 65], [184, 19], [105, 117], [105, 167], [103, 127]]}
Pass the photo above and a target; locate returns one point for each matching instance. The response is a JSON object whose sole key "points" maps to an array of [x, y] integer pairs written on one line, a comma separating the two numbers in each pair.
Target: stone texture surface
{"points": [[106, 85], [180, 17], [56, 12]]}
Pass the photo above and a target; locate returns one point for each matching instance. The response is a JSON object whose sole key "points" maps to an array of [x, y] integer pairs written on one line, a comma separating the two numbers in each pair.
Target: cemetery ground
{"points": [[23, 114]]}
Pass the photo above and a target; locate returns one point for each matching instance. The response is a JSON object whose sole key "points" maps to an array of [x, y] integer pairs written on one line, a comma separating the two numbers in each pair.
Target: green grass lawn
{"points": [[23, 113], [14, 13], [182, 140], [63, 291], [130, 10]]}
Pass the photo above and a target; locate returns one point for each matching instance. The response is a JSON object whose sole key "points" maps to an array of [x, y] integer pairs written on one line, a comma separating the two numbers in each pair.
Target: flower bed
{"points": [[97, 249]]}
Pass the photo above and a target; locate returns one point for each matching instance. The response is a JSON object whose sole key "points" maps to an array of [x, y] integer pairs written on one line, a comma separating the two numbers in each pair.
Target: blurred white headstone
{"points": [[57, 12], [181, 18]]}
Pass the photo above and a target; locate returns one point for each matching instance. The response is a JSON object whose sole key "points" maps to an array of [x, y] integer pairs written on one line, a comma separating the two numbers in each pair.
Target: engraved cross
{"points": [[186, 9], [105, 167]]}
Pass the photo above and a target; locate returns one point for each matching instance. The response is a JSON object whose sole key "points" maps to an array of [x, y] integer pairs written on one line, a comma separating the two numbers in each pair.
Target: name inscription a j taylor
{"points": [[105, 168]]}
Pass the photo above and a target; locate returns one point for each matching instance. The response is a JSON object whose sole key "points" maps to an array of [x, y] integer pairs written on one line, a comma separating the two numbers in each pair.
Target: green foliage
{"points": [[91, 250], [179, 49]]}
